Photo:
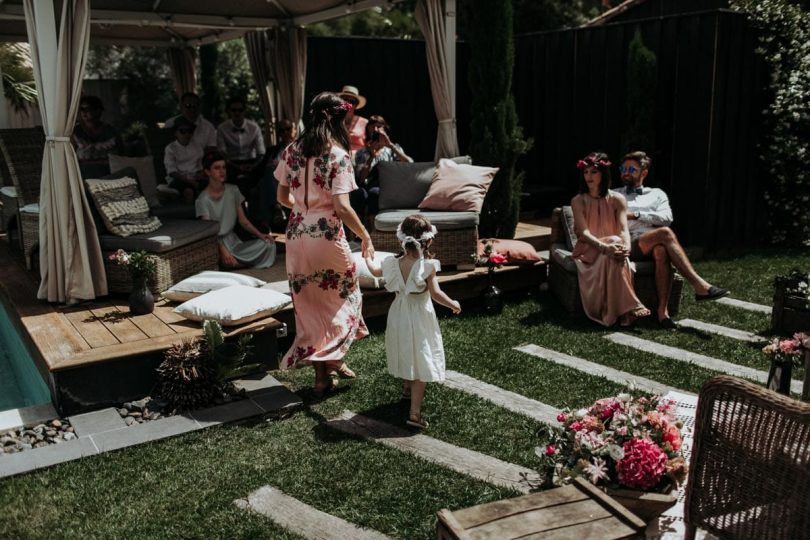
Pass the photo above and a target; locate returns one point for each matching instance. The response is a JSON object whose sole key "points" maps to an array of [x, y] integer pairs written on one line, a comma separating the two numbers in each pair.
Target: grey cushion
{"points": [[404, 185], [567, 221], [388, 220], [174, 233], [563, 257]]}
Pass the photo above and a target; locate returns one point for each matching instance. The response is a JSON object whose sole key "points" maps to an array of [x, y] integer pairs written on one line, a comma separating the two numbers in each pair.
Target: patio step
{"points": [[301, 518], [503, 398], [707, 362], [592, 368], [725, 331], [750, 306], [461, 460]]}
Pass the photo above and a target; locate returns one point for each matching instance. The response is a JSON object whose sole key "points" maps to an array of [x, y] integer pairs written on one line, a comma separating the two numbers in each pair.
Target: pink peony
{"points": [[576, 426], [562, 417], [788, 346], [643, 464], [672, 435], [497, 258], [592, 423], [551, 450], [656, 420]]}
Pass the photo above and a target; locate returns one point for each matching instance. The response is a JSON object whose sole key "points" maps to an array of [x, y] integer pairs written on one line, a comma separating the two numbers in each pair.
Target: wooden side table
{"points": [[576, 512]]}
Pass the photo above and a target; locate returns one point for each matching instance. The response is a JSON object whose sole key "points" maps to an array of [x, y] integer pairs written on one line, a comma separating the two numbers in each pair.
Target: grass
{"points": [[184, 487]]}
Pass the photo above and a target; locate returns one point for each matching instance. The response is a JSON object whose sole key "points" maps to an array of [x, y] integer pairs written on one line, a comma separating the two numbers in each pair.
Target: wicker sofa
{"points": [[402, 188], [562, 271]]}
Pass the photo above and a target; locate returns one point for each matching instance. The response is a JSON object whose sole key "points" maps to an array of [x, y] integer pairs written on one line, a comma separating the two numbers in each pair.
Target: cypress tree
{"points": [[642, 76], [497, 139], [212, 102]]}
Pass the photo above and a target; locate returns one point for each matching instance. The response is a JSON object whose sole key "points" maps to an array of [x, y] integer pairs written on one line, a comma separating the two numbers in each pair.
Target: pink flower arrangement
{"points": [[643, 464], [787, 350], [617, 441]]}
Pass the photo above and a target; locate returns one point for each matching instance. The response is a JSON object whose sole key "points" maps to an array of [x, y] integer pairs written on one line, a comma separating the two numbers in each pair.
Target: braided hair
{"points": [[414, 227], [323, 125]]}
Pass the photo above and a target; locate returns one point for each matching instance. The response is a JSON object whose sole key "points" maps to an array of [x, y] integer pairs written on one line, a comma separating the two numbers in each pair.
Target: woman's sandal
{"points": [[343, 372], [417, 422]]}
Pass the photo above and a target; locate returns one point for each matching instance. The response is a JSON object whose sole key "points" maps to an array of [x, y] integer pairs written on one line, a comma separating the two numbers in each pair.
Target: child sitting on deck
{"points": [[413, 340]]}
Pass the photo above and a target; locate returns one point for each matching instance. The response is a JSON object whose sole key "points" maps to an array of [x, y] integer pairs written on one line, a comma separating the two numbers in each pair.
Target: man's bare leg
{"points": [[665, 237], [662, 285]]}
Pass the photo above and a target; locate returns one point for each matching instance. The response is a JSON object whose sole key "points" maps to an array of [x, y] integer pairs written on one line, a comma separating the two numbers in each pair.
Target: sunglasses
{"points": [[628, 169]]}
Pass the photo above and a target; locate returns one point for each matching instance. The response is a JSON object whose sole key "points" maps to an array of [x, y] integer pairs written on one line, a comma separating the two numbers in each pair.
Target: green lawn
{"points": [[184, 487]]}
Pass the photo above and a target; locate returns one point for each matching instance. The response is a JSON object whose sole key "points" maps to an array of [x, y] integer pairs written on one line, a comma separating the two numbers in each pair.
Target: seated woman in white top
{"points": [[223, 202]]}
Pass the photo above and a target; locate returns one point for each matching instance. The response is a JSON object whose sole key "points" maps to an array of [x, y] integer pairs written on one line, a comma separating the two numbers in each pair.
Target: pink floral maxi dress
{"points": [[321, 272]]}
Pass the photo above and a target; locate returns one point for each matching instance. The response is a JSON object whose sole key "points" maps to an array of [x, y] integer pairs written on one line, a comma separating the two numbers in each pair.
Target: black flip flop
{"points": [[667, 324], [713, 294]]}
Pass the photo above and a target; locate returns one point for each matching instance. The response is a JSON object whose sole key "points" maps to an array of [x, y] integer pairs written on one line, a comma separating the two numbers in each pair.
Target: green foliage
{"points": [[18, 76], [784, 43], [213, 103], [225, 359], [395, 21], [497, 139], [537, 15], [639, 117]]}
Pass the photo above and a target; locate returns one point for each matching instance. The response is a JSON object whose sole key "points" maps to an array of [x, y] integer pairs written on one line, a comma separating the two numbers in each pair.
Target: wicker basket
{"points": [[8, 212], [451, 248], [172, 266], [29, 235]]}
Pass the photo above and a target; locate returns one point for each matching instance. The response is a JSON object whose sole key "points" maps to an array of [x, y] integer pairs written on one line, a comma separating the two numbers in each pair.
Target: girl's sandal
{"points": [[343, 372], [322, 390], [417, 422]]}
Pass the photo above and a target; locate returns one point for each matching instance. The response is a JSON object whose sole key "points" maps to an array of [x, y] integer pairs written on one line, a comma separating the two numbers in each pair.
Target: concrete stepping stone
{"points": [[303, 519], [598, 370], [725, 331], [750, 306], [461, 460], [694, 358], [97, 422], [503, 398], [34, 414]]}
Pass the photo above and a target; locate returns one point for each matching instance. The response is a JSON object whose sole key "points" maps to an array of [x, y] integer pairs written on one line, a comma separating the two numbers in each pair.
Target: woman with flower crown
{"points": [[603, 247], [413, 340], [315, 178]]}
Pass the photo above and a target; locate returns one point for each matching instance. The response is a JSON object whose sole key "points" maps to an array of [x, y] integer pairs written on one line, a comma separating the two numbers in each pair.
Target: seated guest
{"points": [[223, 202], [379, 148], [205, 136], [93, 139], [183, 161], [649, 217], [603, 247], [242, 143], [273, 214], [355, 124]]}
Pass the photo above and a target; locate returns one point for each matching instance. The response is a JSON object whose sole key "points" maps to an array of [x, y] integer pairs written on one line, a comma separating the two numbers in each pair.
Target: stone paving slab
{"points": [[35, 414], [47, 456], [96, 422], [724, 331], [229, 412], [277, 399], [749, 306], [254, 385], [146, 432]]}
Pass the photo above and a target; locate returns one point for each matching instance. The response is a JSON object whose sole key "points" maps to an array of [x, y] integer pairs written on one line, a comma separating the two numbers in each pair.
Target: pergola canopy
{"points": [[175, 23]]}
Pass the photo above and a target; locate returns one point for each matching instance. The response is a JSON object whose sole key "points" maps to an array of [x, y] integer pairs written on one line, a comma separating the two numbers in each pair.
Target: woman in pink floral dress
{"points": [[315, 178]]}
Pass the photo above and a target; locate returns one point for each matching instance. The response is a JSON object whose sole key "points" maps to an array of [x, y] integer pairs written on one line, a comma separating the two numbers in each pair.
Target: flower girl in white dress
{"points": [[413, 340]]}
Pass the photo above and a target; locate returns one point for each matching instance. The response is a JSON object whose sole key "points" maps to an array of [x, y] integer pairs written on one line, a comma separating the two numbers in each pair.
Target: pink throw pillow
{"points": [[515, 251], [458, 187]]}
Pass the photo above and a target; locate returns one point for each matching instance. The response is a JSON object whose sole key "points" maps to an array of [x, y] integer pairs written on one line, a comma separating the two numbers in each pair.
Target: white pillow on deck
{"points": [[364, 277], [234, 305], [208, 281]]}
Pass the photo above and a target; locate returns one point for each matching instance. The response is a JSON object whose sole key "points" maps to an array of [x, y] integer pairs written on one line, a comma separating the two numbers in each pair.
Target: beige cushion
{"points": [[458, 187], [145, 168], [388, 220], [123, 209], [234, 305], [365, 278], [208, 281]]}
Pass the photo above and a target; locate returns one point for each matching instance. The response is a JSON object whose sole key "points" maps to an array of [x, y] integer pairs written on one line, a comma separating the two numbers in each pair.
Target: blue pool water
{"points": [[21, 385]]}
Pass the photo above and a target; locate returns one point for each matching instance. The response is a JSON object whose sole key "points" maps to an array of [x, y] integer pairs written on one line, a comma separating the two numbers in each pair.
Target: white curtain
{"points": [[70, 259], [184, 73], [431, 21], [290, 70], [257, 45]]}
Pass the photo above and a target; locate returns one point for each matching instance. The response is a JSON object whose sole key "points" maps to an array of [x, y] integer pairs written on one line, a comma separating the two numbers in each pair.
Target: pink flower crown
{"points": [[343, 107], [582, 163]]}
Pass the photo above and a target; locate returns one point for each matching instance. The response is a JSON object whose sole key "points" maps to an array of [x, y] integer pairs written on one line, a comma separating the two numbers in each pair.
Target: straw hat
{"points": [[352, 92]]}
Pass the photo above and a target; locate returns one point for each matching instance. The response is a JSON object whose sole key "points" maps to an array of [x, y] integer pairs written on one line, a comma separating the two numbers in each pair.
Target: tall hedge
{"points": [[642, 82], [784, 43], [497, 139]]}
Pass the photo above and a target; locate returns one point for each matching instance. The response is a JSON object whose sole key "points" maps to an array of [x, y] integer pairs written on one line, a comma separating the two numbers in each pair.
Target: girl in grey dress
{"points": [[223, 202]]}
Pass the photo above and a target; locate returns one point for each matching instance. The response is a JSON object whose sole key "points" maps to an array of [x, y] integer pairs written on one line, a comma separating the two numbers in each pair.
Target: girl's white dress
{"points": [[413, 340]]}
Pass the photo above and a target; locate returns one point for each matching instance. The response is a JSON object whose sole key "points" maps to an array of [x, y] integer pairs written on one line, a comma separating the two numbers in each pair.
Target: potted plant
{"points": [[493, 301], [141, 267], [784, 354], [629, 447], [791, 303]]}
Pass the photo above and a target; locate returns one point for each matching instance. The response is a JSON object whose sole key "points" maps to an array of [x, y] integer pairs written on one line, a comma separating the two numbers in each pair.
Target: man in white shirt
{"points": [[183, 161], [205, 135], [648, 218], [242, 143]]}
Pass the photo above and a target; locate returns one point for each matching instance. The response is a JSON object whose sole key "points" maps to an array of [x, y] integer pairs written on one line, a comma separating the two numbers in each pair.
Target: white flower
{"points": [[581, 413], [597, 470], [616, 452], [624, 397]]}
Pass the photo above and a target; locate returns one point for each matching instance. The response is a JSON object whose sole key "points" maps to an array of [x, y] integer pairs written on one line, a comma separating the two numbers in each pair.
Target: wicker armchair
{"points": [[749, 474], [22, 151], [562, 272]]}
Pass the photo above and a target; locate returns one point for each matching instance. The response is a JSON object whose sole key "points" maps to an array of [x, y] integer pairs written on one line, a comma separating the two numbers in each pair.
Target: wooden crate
{"points": [[576, 511], [790, 313]]}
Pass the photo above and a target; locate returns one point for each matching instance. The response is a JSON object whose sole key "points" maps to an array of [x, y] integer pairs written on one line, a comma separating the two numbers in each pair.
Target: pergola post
{"points": [[450, 48]]}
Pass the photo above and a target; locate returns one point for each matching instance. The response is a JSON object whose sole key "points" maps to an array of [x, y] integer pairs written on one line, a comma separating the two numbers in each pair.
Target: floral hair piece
{"points": [[587, 162], [406, 239]]}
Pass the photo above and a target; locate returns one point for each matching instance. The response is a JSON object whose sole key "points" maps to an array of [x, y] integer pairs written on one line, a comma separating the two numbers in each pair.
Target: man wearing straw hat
{"points": [[354, 123]]}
